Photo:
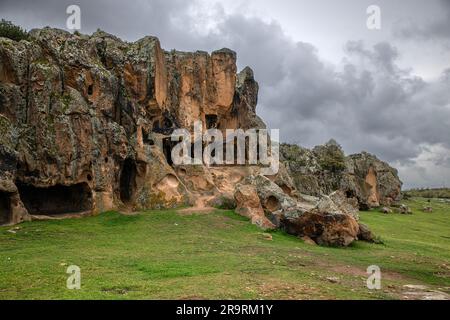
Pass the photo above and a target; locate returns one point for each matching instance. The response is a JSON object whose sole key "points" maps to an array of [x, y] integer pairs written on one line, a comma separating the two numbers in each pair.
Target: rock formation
{"points": [[331, 220], [85, 121], [86, 124], [324, 169]]}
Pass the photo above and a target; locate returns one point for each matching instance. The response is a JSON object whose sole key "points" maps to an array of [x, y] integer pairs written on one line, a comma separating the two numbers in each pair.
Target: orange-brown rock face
{"points": [[249, 205], [335, 229], [82, 118], [373, 198], [203, 85]]}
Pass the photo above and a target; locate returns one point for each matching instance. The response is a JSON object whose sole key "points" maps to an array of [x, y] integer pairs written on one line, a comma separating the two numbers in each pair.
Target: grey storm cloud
{"points": [[366, 102], [371, 104], [436, 29]]}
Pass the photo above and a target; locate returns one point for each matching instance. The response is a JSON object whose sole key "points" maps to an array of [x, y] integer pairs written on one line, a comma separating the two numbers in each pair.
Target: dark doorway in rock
{"points": [[167, 149], [90, 89], [128, 180], [5, 208], [165, 126], [56, 200], [156, 126], [349, 194], [211, 121], [167, 123]]}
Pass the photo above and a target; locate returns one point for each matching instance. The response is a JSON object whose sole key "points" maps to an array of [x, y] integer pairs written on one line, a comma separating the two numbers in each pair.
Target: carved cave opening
{"points": [[211, 121], [167, 123], [5, 208], [168, 144], [56, 200], [349, 194], [164, 126], [128, 180]]}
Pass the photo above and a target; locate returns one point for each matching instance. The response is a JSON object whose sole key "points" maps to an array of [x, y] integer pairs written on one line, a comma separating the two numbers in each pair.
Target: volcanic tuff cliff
{"points": [[85, 124], [83, 116]]}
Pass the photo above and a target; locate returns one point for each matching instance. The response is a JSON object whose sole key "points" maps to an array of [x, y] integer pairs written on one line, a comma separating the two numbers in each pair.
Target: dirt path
{"points": [[404, 292], [201, 206]]}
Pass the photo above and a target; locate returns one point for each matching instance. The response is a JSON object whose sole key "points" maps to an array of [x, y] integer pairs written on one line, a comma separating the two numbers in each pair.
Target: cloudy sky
{"points": [[323, 74]]}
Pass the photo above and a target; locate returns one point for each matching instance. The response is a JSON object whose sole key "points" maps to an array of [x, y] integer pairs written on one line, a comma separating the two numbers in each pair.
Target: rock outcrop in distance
{"points": [[85, 127], [324, 169]]}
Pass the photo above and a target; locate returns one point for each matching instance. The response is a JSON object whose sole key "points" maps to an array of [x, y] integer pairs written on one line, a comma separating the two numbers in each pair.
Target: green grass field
{"points": [[165, 255]]}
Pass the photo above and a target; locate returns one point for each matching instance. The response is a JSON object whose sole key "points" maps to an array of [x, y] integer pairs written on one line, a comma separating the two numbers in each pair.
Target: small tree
{"points": [[11, 31]]}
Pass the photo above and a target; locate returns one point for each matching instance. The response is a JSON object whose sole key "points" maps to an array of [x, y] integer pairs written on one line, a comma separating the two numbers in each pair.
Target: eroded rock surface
{"points": [[249, 205], [325, 228]]}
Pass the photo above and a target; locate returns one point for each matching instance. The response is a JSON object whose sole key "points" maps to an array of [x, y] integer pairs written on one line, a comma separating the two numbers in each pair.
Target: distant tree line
{"points": [[441, 193]]}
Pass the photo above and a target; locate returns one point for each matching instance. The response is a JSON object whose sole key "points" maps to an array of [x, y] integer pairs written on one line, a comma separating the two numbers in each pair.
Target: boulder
{"points": [[275, 202], [12, 210], [284, 181], [329, 229], [386, 210], [365, 234], [249, 205], [308, 240], [427, 209], [331, 220], [403, 209], [337, 202]]}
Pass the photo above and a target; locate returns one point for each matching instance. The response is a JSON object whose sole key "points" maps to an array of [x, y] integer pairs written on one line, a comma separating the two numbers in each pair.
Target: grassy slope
{"points": [[162, 255]]}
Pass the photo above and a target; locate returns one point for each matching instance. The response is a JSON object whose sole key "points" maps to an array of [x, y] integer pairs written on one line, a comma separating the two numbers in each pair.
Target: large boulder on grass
{"points": [[249, 205], [325, 228], [337, 202]]}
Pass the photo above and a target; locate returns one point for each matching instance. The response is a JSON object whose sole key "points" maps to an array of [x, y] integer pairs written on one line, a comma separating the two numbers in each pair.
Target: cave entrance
{"points": [[128, 180], [56, 200], [5, 208], [165, 126], [211, 121], [167, 150]]}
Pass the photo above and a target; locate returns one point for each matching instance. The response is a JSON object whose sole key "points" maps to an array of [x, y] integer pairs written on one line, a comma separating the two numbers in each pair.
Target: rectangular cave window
{"points": [[57, 199], [128, 180], [211, 121], [5, 208]]}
